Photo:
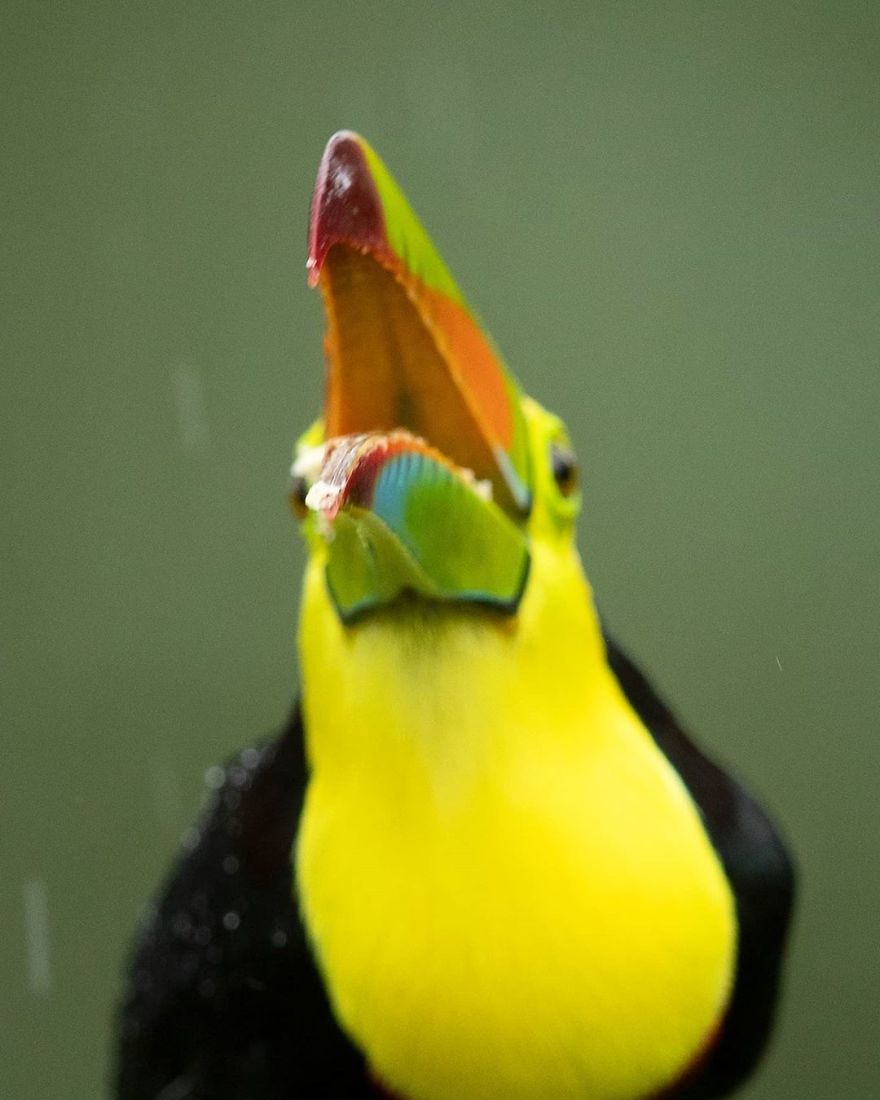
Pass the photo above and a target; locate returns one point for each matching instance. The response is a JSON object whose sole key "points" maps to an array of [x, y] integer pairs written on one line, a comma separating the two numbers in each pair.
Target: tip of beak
{"points": [[346, 207]]}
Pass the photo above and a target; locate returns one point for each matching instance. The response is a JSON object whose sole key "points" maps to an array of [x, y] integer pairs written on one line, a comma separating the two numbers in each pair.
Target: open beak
{"points": [[421, 483]]}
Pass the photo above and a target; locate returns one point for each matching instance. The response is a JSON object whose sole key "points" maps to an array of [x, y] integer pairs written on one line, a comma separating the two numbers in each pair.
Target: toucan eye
{"points": [[565, 471], [297, 496]]}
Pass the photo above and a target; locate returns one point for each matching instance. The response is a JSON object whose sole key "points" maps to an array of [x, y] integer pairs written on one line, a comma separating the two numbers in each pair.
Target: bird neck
{"points": [[442, 692], [494, 855]]}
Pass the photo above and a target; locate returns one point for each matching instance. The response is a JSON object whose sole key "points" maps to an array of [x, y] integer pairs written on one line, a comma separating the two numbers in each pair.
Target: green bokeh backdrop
{"points": [[668, 213]]}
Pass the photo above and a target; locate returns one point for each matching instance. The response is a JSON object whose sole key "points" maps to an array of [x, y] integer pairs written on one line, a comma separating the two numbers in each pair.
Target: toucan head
{"points": [[430, 475]]}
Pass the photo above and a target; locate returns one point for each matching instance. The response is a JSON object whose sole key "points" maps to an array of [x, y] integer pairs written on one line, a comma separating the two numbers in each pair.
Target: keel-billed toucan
{"points": [[481, 861]]}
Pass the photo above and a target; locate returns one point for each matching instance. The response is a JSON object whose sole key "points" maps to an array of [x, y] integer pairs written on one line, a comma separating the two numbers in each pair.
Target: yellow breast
{"points": [[509, 890]]}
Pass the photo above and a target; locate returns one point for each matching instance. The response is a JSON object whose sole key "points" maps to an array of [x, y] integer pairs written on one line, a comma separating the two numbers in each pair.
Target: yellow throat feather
{"points": [[508, 888]]}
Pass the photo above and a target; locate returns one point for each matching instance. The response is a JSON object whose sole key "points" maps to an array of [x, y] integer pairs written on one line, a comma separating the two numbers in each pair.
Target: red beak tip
{"points": [[346, 207]]}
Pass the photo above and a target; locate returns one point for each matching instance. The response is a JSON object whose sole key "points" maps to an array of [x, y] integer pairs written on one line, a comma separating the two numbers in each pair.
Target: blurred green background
{"points": [[668, 215]]}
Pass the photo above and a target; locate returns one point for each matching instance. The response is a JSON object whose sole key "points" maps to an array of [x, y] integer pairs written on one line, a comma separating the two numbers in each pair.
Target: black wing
{"points": [[761, 873], [223, 1000]]}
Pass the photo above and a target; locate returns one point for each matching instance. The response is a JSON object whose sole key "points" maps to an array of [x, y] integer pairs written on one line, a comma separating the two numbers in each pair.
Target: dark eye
{"points": [[297, 497], [565, 471]]}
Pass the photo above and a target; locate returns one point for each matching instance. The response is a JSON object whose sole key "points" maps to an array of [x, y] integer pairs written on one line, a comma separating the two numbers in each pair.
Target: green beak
{"points": [[422, 482]]}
